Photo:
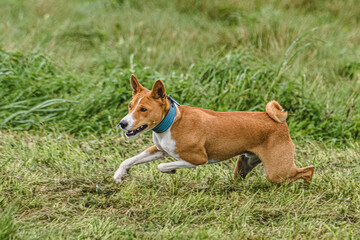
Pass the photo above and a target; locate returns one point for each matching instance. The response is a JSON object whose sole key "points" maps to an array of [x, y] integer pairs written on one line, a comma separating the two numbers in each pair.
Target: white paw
{"points": [[119, 175]]}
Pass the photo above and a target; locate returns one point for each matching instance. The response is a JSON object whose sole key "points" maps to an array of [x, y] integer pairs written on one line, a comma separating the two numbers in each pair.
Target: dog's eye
{"points": [[129, 105], [143, 109]]}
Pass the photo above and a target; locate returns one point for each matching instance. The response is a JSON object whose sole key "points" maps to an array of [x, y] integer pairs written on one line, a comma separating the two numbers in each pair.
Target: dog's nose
{"points": [[123, 124]]}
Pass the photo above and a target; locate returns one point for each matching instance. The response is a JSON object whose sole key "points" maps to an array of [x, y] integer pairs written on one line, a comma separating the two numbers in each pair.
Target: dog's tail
{"points": [[276, 112]]}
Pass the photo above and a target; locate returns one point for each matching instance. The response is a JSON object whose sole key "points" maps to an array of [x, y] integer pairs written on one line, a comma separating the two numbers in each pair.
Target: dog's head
{"points": [[146, 108]]}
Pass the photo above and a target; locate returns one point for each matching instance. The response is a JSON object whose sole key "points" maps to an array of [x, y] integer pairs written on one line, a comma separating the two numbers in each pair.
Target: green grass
{"points": [[64, 86], [56, 185]]}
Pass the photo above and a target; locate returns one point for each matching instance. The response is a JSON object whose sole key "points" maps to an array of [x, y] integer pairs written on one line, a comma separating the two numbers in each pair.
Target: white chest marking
{"points": [[165, 142]]}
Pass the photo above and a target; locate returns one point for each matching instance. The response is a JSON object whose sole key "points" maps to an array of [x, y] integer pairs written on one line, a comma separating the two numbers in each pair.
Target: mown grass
{"points": [[64, 85], [58, 186]]}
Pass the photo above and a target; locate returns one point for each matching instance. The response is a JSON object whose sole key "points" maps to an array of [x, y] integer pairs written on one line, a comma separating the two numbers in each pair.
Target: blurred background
{"points": [[67, 64]]}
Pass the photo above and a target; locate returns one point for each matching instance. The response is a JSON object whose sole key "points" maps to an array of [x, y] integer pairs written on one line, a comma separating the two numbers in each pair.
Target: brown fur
{"points": [[156, 105], [202, 134], [276, 112], [152, 149]]}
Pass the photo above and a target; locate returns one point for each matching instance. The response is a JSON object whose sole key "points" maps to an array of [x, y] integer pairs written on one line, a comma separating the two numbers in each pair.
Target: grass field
{"points": [[64, 86]]}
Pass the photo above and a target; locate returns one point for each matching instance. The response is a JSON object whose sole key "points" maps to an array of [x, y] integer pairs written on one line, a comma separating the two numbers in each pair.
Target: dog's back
{"points": [[224, 134]]}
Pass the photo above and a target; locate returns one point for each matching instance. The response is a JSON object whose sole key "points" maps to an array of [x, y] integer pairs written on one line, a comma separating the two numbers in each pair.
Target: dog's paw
{"points": [[119, 175]]}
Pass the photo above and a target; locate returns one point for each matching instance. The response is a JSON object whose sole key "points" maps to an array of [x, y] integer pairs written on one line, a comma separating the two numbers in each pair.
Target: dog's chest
{"points": [[165, 142]]}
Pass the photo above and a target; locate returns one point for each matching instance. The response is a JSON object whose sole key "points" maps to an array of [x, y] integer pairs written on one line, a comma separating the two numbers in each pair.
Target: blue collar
{"points": [[168, 120]]}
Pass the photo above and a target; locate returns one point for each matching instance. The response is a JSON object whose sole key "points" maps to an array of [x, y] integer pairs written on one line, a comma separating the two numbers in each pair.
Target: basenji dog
{"points": [[196, 136]]}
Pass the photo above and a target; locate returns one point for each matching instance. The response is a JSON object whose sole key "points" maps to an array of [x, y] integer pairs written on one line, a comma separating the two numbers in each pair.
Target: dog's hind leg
{"points": [[305, 173], [278, 160], [245, 163]]}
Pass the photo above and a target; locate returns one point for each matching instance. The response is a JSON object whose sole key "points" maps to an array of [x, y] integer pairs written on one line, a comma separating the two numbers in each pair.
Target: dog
{"points": [[196, 136]]}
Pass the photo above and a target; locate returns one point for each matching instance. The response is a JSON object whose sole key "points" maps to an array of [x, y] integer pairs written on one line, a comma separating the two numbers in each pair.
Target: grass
{"points": [[64, 85], [58, 186]]}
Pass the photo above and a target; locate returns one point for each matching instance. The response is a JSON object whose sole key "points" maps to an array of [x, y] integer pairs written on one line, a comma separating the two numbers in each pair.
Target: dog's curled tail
{"points": [[276, 112]]}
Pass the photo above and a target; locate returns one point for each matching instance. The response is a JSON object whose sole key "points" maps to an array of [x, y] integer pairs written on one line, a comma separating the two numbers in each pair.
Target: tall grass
{"points": [[225, 56], [38, 94]]}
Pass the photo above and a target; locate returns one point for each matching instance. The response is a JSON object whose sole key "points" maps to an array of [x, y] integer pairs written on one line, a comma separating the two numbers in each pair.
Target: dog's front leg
{"points": [[150, 154], [172, 166]]}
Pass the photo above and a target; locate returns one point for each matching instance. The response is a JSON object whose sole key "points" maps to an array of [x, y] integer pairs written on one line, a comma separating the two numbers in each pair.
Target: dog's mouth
{"points": [[132, 133]]}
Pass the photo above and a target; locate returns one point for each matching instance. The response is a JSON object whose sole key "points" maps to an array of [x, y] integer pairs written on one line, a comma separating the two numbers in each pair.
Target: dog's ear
{"points": [[136, 86], [158, 90]]}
